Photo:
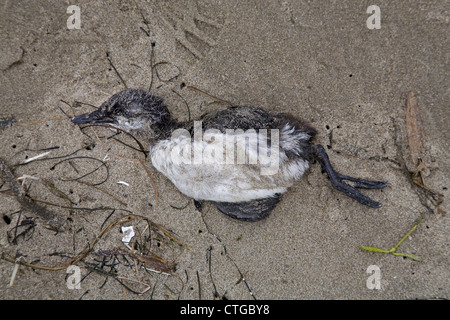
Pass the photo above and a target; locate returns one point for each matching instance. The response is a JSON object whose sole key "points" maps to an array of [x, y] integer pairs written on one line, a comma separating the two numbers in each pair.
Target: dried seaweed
{"points": [[161, 63], [121, 130], [209, 95], [102, 164], [24, 228], [117, 72], [393, 250], [150, 259], [6, 122], [54, 221]]}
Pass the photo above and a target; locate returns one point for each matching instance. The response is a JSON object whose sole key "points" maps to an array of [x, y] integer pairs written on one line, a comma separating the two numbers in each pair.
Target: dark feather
{"points": [[249, 211]]}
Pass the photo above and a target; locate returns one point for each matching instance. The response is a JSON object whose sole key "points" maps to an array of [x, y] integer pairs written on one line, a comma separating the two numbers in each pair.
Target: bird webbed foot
{"points": [[337, 181]]}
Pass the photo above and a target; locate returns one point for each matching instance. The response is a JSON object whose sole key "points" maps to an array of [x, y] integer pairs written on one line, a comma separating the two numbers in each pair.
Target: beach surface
{"points": [[316, 60]]}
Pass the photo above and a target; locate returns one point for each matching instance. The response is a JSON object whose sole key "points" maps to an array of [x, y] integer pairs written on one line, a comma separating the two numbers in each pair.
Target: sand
{"points": [[316, 60]]}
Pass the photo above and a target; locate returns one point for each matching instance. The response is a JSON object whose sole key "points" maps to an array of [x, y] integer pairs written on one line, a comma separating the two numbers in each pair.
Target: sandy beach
{"points": [[319, 61]]}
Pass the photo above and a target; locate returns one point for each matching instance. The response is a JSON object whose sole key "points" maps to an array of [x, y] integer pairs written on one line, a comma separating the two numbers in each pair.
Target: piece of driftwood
{"points": [[418, 150], [419, 161]]}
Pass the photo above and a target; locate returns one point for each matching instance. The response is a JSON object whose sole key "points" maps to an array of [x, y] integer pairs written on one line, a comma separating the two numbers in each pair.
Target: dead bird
{"points": [[242, 159]]}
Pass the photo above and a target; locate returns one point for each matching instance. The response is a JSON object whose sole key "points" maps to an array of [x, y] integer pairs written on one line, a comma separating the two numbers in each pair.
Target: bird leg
{"points": [[337, 180]]}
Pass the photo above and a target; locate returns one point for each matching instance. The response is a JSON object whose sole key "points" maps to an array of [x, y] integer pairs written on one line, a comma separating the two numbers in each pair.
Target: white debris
{"points": [[157, 271], [124, 183], [37, 157], [13, 276], [26, 176], [128, 233]]}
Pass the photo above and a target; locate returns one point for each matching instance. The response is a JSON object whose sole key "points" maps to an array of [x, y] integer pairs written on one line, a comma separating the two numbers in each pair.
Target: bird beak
{"points": [[96, 117]]}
